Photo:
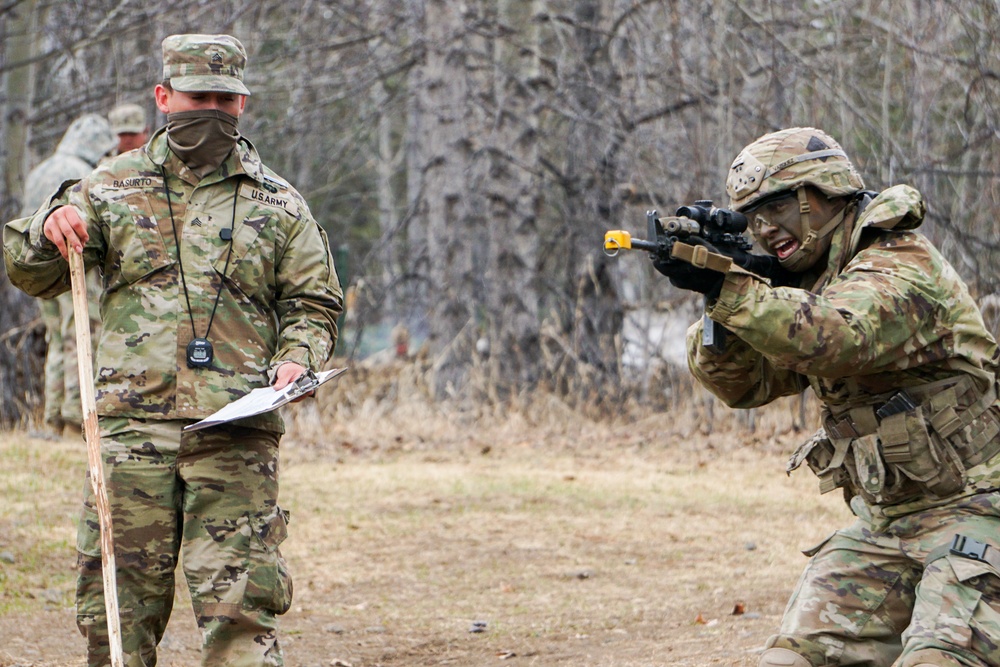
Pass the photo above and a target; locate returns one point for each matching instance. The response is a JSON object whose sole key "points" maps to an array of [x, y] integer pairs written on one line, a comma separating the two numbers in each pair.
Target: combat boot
{"points": [[782, 657]]}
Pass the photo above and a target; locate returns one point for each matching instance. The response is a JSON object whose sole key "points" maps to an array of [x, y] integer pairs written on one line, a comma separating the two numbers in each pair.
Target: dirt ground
{"points": [[628, 544]]}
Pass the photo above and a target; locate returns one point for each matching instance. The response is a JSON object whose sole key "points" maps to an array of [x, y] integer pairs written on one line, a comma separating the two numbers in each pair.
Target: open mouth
{"points": [[785, 247]]}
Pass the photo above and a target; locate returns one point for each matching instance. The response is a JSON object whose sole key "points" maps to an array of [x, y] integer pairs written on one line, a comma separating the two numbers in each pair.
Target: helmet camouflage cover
{"points": [[787, 160]]}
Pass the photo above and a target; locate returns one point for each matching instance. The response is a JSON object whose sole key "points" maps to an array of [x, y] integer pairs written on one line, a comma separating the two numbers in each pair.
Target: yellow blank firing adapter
{"points": [[616, 240]]}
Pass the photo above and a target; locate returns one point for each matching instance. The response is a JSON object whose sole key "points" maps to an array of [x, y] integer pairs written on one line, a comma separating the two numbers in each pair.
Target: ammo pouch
{"points": [[916, 442]]}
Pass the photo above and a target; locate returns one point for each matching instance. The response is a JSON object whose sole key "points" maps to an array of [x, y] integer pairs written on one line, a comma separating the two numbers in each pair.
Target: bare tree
{"points": [[469, 156], [512, 195], [447, 210], [22, 338]]}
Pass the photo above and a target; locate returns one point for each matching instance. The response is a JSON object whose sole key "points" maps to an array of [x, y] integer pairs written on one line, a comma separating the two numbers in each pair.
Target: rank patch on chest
{"points": [[270, 199]]}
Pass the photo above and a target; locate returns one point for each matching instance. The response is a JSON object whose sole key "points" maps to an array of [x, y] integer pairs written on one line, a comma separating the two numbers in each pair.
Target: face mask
{"points": [[202, 139]]}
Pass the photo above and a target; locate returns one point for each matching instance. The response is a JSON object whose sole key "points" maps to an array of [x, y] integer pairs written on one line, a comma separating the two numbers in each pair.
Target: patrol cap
{"points": [[127, 118], [204, 64]]}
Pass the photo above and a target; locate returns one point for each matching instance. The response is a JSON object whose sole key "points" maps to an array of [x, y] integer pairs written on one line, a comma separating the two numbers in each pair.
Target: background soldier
{"points": [[217, 280], [886, 334], [86, 141], [128, 122]]}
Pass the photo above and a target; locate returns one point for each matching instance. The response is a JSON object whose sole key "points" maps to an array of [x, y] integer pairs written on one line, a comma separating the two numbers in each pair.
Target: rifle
{"points": [[706, 237]]}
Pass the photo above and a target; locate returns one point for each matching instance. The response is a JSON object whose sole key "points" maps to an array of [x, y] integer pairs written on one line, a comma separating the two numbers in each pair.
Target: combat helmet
{"points": [[89, 138], [787, 161]]}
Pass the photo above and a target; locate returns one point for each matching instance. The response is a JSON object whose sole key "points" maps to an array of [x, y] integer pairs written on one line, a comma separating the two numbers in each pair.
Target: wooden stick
{"points": [[84, 355]]}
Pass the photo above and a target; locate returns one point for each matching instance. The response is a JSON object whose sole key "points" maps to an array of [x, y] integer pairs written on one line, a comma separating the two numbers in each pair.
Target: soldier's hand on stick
{"points": [[66, 229]]}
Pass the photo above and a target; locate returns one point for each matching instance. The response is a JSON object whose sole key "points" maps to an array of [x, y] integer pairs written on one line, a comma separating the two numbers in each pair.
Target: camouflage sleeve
{"points": [[887, 308], [739, 375], [309, 298], [33, 262]]}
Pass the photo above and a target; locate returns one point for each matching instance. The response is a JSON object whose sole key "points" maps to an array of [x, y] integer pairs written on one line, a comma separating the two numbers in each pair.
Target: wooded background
{"points": [[466, 157]]}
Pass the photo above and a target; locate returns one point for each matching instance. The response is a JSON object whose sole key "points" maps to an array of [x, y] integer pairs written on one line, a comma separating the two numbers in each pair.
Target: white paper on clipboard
{"points": [[266, 399]]}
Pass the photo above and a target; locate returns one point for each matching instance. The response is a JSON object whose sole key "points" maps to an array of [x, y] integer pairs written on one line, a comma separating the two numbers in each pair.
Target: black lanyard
{"points": [[199, 351]]}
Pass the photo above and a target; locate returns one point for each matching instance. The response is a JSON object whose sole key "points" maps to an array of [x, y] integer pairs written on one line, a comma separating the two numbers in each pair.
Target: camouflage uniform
{"points": [[127, 118], [86, 141], [211, 495], [886, 312]]}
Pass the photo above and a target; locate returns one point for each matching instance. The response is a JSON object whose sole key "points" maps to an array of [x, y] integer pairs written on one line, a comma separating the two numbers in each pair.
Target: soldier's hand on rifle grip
{"points": [[765, 266]]}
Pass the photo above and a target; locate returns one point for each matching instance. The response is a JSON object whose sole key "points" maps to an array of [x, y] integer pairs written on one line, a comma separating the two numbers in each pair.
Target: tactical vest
{"points": [[916, 442]]}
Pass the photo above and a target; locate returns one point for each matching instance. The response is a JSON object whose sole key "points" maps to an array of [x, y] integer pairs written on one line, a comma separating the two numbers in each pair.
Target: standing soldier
{"points": [[86, 141], [885, 332], [217, 280], [128, 122]]}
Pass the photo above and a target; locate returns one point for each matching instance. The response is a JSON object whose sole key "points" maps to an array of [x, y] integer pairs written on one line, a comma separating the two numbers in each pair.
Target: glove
{"points": [[709, 282], [687, 277], [766, 266]]}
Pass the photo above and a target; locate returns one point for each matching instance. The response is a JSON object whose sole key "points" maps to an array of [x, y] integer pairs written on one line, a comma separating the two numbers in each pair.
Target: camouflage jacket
{"points": [[889, 312], [82, 146], [278, 292]]}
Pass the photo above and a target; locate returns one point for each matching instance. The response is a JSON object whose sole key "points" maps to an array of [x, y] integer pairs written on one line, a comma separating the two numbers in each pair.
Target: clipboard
{"points": [[266, 399]]}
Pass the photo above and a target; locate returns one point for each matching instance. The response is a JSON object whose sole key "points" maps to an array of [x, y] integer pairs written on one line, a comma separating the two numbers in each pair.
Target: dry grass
{"points": [[629, 540], [389, 408]]}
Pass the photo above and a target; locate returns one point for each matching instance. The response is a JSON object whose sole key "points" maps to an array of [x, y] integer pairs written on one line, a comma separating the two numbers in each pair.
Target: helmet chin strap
{"points": [[804, 255]]}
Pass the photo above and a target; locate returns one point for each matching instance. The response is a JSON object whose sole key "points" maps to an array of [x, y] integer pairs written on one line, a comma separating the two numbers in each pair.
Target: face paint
{"points": [[795, 231], [776, 225]]}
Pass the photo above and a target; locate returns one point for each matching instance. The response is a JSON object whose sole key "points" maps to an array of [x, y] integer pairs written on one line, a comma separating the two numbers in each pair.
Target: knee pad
{"points": [[782, 657]]}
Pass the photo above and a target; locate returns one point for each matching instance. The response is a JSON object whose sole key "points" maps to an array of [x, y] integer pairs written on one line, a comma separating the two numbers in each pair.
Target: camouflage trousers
{"points": [[55, 376], [209, 499], [888, 591], [62, 376]]}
